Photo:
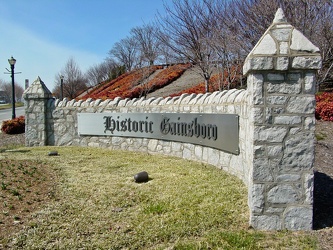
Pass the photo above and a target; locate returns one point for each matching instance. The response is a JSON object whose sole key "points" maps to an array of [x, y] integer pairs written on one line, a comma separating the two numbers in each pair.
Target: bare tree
{"points": [[143, 83], [125, 52], [102, 72], [74, 81], [324, 40], [18, 92], [222, 42], [249, 19], [167, 56], [218, 34], [186, 30], [6, 91], [148, 43]]}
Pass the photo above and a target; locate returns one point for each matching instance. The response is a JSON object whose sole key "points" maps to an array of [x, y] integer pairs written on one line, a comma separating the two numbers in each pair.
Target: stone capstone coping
{"points": [[282, 47], [217, 97], [37, 90]]}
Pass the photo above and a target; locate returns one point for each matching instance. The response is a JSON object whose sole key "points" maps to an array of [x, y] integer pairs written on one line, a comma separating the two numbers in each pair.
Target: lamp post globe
{"points": [[12, 62]]}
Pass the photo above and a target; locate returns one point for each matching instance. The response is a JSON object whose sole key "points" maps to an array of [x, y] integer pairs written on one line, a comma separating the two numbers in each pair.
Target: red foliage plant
{"points": [[120, 85], [197, 89], [162, 79], [324, 106], [14, 126], [134, 84]]}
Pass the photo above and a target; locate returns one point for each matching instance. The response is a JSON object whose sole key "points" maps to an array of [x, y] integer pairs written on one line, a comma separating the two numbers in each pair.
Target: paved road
{"points": [[6, 114]]}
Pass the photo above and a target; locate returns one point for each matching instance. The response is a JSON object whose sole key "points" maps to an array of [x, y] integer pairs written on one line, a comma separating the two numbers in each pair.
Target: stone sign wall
{"points": [[276, 126]]}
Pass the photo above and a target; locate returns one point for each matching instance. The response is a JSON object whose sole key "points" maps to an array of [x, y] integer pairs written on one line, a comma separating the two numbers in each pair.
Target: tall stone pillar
{"points": [[38, 114], [281, 73]]}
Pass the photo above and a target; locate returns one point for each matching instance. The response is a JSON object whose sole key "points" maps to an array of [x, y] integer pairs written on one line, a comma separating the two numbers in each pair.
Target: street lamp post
{"points": [[61, 87], [12, 62]]}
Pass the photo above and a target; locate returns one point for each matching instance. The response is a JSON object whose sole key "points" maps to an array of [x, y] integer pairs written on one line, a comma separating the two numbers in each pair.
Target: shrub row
{"points": [[324, 106], [122, 84], [14, 126], [135, 84], [162, 79]]}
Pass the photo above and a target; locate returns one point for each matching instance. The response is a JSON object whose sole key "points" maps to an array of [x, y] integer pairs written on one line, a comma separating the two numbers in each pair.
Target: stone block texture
{"points": [[38, 114], [280, 192], [276, 126]]}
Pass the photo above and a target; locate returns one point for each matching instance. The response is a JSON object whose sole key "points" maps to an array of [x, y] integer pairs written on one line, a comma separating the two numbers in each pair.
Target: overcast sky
{"points": [[43, 34]]}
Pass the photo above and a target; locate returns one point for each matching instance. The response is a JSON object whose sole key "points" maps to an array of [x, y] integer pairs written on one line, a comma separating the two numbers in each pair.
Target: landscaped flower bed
{"points": [[161, 80], [121, 85]]}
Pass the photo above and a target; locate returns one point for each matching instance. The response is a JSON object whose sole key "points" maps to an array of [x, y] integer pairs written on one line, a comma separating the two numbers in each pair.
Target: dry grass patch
{"points": [[184, 205], [25, 187]]}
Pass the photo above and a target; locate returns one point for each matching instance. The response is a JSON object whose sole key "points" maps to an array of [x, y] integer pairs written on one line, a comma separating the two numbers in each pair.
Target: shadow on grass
{"points": [[323, 201], [2, 150]]}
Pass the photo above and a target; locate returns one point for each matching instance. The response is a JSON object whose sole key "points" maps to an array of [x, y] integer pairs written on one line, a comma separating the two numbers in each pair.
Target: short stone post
{"points": [[281, 80], [38, 114]]}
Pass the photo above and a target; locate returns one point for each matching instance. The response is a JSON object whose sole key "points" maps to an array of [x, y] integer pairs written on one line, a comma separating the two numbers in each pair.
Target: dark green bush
{"points": [[14, 126]]}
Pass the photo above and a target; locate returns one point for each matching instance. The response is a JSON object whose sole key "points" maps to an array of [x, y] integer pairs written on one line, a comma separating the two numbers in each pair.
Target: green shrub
{"points": [[14, 126]]}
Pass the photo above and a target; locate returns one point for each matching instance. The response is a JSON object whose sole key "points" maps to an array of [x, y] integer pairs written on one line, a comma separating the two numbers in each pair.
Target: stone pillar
{"points": [[38, 114], [281, 73]]}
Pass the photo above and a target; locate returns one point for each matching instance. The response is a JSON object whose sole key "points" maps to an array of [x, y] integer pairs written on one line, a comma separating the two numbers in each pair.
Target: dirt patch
{"points": [[25, 187], [324, 148], [323, 185], [7, 141], [189, 78]]}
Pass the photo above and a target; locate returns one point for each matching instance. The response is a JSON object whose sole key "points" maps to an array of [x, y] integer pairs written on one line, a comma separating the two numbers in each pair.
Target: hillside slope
{"points": [[188, 79], [154, 81], [141, 82], [158, 81]]}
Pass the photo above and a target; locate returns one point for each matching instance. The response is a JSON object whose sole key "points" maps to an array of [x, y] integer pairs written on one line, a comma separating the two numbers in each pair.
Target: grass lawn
{"points": [[93, 202], [8, 106]]}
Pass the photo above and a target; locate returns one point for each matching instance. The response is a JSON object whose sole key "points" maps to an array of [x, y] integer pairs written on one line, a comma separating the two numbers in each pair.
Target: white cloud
{"points": [[37, 56]]}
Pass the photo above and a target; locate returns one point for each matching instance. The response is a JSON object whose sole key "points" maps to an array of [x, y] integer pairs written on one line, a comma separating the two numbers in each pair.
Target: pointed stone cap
{"points": [[281, 48], [280, 17], [37, 90]]}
